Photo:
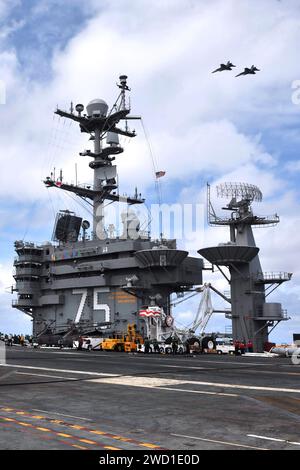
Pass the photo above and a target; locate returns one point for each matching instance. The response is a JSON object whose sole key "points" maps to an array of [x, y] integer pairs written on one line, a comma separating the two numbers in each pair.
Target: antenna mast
{"points": [[100, 123], [251, 315]]}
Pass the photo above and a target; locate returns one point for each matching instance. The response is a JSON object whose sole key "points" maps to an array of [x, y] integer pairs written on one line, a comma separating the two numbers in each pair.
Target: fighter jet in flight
{"points": [[248, 71], [223, 67]]}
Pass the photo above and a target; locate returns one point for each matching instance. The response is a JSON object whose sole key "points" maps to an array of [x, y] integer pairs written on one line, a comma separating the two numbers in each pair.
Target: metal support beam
{"points": [[268, 292], [260, 329], [220, 294], [227, 278]]}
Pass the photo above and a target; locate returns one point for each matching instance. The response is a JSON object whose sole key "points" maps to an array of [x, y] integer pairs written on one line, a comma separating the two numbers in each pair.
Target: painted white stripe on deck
{"points": [[138, 381], [61, 414], [67, 371], [198, 391], [235, 444], [239, 369], [130, 379], [264, 437], [133, 381], [156, 383], [245, 387], [273, 439]]}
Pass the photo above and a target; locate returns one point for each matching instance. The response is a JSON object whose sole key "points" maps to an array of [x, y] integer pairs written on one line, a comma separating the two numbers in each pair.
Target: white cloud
{"points": [[193, 116], [11, 320], [6, 279], [6, 6]]}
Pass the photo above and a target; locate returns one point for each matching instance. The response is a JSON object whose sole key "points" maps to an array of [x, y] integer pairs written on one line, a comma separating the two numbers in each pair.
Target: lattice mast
{"points": [[101, 123], [250, 313]]}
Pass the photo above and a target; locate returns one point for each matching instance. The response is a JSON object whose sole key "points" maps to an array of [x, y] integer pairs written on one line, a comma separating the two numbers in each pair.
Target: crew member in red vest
{"points": [[242, 347], [237, 348]]}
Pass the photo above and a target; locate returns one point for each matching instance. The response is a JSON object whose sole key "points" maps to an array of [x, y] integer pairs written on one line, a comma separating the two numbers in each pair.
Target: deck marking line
{"points": [[44, 437], [150, 446], [157, 383], [51, 431], [264, 437], [61, 414], [81, 372], [238, 369], [201, 392], [210, 384], [245, 387], [63, 434], [220, 442], [273, 439], [74, 426], [152, 382], [87, 441]]}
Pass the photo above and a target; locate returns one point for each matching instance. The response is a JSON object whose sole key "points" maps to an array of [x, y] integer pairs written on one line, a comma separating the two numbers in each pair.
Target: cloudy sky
{"points": [[202, 127]]}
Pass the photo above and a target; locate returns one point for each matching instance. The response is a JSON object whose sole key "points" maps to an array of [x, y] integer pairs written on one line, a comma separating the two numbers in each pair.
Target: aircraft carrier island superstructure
{"points": [[104, 282], [99, 283]]}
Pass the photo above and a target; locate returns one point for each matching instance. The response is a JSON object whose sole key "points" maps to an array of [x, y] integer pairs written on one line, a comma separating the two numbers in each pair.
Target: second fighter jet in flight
{"points": [[248, 71]]}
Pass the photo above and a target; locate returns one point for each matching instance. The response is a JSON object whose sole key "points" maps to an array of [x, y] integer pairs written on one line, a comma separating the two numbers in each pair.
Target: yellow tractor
{"points": [[113, 344], [127, 342], [132, 339]]}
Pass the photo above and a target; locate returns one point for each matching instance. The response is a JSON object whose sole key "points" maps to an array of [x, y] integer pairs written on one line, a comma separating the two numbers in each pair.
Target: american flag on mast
{"points": [[150, 312], [160, 174]]}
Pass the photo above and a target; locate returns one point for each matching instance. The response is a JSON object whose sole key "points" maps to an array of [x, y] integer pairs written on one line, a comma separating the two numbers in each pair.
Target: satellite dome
{"points": [[97, 108]]}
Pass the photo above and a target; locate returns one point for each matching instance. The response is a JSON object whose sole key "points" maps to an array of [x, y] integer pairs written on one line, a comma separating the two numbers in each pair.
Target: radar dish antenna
{"points": [[245, 191]]}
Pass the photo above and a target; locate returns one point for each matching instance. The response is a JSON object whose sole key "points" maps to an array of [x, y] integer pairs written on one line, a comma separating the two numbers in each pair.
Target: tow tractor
{"points": [[127, 343]]}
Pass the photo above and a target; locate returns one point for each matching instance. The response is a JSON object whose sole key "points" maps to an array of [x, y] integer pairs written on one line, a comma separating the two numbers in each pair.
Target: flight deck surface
{"points": [[65, 399]]}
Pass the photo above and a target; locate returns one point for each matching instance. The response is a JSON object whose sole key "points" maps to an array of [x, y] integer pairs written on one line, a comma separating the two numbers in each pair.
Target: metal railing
{"points": [[270, 276], [256, 221]]}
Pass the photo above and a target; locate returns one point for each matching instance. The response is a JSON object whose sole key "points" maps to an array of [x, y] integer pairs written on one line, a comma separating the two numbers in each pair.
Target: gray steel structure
{"points": [[251, 315], [75, 285]]}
